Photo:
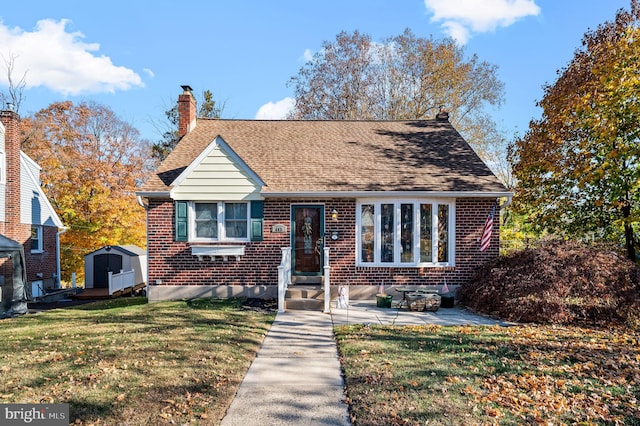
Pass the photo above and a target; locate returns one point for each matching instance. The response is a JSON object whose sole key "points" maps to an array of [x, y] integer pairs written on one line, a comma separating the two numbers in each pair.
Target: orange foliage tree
{"points": [[578, 167], [92, 162]]}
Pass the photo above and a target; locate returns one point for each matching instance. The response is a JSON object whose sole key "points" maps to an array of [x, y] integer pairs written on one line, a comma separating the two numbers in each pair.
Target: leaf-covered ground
{"points": [[546, 375], [137, 364]]}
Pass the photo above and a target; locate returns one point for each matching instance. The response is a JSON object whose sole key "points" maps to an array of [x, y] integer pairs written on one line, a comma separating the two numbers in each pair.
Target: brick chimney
{"points": [[442, 115], [186, 111], [12, 229]]}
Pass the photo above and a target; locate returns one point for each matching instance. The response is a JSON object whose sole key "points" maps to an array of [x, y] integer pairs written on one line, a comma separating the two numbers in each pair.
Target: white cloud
{"points": [[61, 61], [276, 110], [307, 55], [460, 18]]}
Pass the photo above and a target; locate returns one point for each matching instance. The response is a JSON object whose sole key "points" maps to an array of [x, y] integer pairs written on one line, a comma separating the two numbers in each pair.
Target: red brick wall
{"points": [[45, 262], [172, 262], [42, 263], [12, 228]]}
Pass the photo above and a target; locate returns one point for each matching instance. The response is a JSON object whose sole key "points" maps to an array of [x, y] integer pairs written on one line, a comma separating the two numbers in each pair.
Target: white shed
{"points": [[99, 263]]}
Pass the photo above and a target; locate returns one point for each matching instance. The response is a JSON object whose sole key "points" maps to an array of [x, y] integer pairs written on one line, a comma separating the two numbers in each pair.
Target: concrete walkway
{"points": [[296, 377]]}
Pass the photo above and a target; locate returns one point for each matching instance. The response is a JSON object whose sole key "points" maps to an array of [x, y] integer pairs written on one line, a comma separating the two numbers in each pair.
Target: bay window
{"points": [[406, 233]]}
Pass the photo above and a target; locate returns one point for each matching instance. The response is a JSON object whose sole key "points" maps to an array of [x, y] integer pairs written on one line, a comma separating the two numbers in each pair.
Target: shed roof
{"points": [[339, 156], [129, 250]]}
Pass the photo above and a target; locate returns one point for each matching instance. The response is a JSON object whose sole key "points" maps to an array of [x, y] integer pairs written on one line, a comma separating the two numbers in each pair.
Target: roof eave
{"points": [[153, 194], [388, 194]]}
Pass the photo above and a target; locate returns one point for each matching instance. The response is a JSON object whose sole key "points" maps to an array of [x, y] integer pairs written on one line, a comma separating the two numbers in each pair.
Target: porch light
{"points": [[334, 215]]}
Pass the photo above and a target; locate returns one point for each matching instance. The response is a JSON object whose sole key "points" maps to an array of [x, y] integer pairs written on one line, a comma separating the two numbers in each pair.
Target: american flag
{"points": [[485, 240]]}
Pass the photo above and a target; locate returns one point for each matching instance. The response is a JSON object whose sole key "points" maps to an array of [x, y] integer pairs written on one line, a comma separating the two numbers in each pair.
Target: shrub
{"points": [[558, 282]]}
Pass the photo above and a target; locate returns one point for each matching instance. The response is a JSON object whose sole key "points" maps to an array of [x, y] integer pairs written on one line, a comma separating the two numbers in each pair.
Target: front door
{"points": [[308, 226]]}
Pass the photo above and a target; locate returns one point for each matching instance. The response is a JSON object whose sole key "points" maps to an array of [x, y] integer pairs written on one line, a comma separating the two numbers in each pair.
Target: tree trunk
{"points": [[629, 236]]}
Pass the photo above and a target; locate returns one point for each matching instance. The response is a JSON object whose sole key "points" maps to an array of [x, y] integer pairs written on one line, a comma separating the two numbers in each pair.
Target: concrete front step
{"points": [[307, 279], [304, 292], [304, 297], [304, 304]]}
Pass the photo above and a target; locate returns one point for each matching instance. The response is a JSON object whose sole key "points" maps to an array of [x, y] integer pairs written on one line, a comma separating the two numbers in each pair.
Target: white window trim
{"points": [[3, 168], [222, 237], [416, 232], [40, 248]]}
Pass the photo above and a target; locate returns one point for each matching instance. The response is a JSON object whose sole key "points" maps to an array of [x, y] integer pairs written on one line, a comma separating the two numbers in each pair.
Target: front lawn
{"points": [[128, 362], [434, 375]]}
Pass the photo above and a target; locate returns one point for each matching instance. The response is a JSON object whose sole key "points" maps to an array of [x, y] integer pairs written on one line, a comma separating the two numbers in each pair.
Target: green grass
{"points": [[123, 361], [490, 375]]}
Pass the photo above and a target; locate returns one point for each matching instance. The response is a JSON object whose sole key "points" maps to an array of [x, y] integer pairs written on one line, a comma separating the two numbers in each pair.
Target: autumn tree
{"points": [[209, 108], [92, 163], [404, 78], [578, 167]]}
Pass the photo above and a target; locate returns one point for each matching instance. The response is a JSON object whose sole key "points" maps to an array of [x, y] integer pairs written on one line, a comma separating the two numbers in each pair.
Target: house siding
{"points": [[3, 196], [217, 177], [171, 263], [35, 209]]}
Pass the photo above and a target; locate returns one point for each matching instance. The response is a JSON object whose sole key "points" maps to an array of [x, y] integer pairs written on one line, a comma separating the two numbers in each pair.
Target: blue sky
{"points": [[133, 55]]}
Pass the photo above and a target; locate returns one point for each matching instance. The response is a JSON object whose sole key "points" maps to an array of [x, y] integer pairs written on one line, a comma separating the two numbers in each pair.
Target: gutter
{"points": [[389, 194], [154, 194], [58, 268]]}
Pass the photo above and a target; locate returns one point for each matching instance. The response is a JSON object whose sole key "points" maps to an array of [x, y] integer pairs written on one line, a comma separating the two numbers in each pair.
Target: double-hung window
{"points": [[219, 221], [36, 239], [405, 233]]}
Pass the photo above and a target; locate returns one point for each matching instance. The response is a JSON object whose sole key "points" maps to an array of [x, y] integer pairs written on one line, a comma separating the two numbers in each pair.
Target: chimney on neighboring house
{"points": [[10, 119], [442, 115], [186, 111]]}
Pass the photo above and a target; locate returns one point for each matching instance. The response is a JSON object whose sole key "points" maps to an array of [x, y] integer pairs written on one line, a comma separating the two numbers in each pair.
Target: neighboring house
{"points": [[26, 215], [397, 202]]}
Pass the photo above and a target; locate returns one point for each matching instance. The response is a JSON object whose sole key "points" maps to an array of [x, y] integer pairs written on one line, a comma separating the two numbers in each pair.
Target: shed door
{"points": [[102, 265]]}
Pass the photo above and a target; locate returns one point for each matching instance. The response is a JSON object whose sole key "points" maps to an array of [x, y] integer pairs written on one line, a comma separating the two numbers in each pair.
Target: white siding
{"points": [[217, 177], [35, 209], [3, 197]]}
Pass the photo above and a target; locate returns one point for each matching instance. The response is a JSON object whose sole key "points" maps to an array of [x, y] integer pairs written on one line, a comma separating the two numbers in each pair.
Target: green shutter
{"points": [[181, 221], [257, 220]]}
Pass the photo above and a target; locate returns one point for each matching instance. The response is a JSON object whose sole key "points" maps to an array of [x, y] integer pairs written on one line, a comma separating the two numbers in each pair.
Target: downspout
{"points": [[58, 268], [141, 202], [508, 202], [145, 206]]}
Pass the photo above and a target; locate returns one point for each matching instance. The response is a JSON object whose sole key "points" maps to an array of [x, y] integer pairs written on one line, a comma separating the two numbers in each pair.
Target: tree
{"points": [[405, 78], [578, 166], [92, 162], [209, 108], [15, 94]]}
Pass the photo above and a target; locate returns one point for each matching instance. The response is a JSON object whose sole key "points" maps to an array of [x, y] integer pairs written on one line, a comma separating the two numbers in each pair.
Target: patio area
{"points": [[367, 312]]}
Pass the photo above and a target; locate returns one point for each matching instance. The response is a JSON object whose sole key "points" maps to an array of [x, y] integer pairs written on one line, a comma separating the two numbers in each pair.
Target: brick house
{"points": [[26, 215], [362, 203]]}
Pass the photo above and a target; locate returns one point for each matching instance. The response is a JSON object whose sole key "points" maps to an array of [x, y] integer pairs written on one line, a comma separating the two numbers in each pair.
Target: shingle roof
{"points": [[322, 156]]}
